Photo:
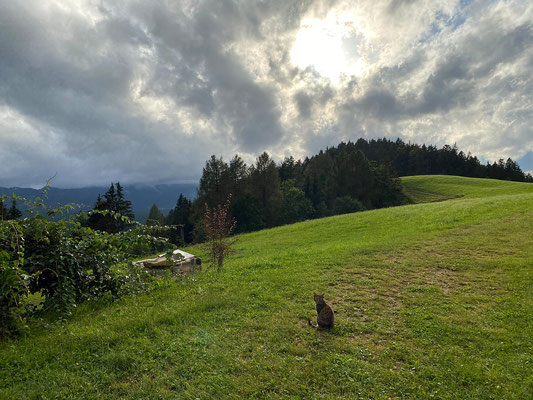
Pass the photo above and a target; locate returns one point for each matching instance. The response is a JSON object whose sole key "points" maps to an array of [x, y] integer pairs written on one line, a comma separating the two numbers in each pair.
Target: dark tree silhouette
{"points": [[180, 218], [14, 212], [155, 216], [109, 210], [347, 178]]}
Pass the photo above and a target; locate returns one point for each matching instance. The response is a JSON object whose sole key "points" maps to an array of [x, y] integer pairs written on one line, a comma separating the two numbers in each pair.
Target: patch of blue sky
{"points": [[443, 20], [434, 29], [526, 161], [456, 21]]}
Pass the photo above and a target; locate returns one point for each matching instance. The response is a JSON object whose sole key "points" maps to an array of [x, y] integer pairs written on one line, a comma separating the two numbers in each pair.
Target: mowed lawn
{"points": [[433, 300]]}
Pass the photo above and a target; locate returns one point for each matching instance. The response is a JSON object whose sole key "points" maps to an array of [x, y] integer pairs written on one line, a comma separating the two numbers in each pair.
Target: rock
{"points": [[181, 262]]}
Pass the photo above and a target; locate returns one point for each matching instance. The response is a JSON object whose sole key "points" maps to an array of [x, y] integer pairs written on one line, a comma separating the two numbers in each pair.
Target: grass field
{"points": [[433, 300], [430, 188]]}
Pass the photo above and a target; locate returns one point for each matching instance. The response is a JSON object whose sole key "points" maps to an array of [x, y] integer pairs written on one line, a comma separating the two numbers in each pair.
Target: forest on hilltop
{"points": [[350, 177]]}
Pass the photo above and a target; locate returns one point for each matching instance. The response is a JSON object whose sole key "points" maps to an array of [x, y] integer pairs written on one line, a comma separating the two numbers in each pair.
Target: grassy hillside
{"points": [[433, 301], [430, 188]]}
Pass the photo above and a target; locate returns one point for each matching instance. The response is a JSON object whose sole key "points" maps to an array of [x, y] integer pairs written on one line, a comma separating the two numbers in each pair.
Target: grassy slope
{"points": [[430, 188], [432, 300]]}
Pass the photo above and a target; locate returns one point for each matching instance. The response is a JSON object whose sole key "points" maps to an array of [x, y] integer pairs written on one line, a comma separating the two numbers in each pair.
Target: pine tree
{"points": [[100, 204], [182, 210], [14, 212], [513, 171], [265, 185], [113, 201], [123, 206], [286, 169], [110, 198], [155, 217], [180, 215], [213, 189], [236, 175]]}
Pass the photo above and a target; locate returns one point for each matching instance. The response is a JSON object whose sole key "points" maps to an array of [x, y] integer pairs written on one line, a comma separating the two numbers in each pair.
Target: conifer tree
{"points": [[265, 187], [235, 177], [114, 202], [213, 189], [123, 206], [14, 212], [110, 198], [181, 215], [155, 217], [99, 205]]}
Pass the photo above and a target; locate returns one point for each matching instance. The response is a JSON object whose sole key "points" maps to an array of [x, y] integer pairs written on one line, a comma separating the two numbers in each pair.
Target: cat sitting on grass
{"points": [[325, 315]]}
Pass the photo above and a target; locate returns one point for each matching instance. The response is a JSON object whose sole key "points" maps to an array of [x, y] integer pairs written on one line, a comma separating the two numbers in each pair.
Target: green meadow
{"points": [[433, 300]]}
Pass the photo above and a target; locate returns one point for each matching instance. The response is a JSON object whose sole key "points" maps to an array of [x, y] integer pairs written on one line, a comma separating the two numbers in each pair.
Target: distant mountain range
{"points": [[142, 197]]}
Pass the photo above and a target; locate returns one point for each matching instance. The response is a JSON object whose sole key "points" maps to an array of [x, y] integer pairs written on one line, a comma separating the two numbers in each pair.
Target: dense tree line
{"points": [[350, 177], [338, 180], [413, 159]]}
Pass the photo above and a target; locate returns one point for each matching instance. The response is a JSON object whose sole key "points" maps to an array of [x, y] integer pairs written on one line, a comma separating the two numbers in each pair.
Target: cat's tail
{"points": [[311, 324]]}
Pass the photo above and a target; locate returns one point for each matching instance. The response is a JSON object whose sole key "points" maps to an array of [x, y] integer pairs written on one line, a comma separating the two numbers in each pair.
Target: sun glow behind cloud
{"points": [[330, 46]]}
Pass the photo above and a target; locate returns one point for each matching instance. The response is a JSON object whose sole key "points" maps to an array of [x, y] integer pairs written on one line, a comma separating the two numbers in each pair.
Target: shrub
{"points": [[218, 229], [66, 263], [347, 204]]}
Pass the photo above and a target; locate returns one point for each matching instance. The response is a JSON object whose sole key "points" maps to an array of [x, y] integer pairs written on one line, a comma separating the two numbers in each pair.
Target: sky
{"points": [[94, 91]]}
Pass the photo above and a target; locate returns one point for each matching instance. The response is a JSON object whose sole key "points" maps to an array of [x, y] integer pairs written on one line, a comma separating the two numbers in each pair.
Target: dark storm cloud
{"points": [[456, 78], [410, 65], [304, 102], [68, 75], [448, 87], [379, 104], [67, 79], [309, 101], [202, 74], [72, 87]]}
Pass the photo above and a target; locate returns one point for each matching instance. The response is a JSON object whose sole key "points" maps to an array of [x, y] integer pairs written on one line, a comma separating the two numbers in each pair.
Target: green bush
{"points": [[347, 204], [66, 264]]}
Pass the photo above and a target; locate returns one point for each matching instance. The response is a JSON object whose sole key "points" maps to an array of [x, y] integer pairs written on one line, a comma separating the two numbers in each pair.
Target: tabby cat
{"points": [[325, 317]]}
